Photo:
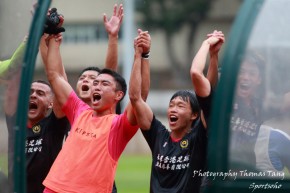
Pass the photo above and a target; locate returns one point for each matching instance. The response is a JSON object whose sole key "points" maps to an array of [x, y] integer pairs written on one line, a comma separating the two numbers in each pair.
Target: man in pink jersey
{"points": [[98, 136]]}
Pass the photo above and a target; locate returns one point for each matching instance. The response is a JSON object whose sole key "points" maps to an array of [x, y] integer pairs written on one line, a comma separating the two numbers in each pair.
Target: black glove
{"points": [[52, 22]]}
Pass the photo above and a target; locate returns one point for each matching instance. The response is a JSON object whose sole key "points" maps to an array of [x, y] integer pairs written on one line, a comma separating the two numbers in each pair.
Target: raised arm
{"points": [[201, 84], [144, 41], [142, 111], [43, 48], [12, 71], [8, 67], [112, 27], [212, 72], [54, 70]]}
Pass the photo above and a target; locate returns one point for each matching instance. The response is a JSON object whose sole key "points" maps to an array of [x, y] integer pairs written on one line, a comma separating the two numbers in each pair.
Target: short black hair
{"points": [[121, 83], [42, 82], [190, 96], [255, 58], [90, 68], [45, 83]]}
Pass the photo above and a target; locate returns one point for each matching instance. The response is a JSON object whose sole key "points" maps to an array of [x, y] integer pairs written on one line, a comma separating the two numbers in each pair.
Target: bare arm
{"points": [[144, 41], [142, 111], [43, 47], [54, 70], [202, 84], [13, 79], [112, 27], [212, 72]]}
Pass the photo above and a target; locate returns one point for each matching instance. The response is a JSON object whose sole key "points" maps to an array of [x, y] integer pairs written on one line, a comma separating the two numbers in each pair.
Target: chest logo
{"points": [[184, 143], [36, 129]]}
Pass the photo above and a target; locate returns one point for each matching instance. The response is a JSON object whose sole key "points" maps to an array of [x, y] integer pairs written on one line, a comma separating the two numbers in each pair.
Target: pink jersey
{"points": [[88, 160]]}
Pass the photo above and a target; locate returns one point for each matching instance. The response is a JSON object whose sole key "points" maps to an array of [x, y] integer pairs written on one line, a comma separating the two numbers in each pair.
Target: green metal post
{"points": [[26, 79]]}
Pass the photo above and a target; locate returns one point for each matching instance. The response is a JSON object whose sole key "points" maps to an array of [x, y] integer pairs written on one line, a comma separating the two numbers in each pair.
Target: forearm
{"points": [[112, 53], [200, 83], [199, 61], [212, 72], [15, 61], [145, 74], [135, 89], [43, 49], [54, 70], [135, 79]]}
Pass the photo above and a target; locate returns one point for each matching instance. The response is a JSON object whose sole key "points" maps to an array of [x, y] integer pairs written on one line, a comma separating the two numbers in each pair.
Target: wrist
{"points": [[145, 55], [113, 36], [206, 42]]}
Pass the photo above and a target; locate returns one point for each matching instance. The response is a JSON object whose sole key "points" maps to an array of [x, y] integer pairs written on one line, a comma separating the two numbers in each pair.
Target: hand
{"points": [[144, 40], [216, 40], [113, 25], [138, 48], [57, 38]]}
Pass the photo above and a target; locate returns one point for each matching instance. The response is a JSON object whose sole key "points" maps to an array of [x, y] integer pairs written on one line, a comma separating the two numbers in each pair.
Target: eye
{"points": [[181, 105], [105, 83], [93, 77]]}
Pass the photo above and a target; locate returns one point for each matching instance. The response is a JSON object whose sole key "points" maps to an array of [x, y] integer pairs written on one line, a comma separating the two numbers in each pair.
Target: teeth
{"points": [[173, 118]]}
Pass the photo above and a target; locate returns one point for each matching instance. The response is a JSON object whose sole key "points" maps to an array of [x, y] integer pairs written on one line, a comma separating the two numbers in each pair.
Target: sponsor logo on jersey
{"points": [[36, 129]]}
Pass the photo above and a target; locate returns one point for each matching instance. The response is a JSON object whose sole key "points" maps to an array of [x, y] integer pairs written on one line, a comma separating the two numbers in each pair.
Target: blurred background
{"points": [[177, 30]]}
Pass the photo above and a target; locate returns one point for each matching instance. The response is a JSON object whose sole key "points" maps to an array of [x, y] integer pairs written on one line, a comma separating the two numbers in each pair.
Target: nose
{"points": [[245, 75], [33, 95], [172, 109], [85, 80], [96, 86]]}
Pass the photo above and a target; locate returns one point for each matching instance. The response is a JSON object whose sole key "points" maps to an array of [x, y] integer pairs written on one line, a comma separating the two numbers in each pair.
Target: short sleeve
{"points": [[73, 107]]}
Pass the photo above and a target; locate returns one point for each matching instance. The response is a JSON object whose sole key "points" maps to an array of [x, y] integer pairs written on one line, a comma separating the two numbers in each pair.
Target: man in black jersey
{"points": [[45, 131], [178, 152]]}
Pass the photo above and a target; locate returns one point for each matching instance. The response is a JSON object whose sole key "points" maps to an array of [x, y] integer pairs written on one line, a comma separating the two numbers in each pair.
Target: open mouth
{"points": [[32, 106], [244, 86], [85, 88], [173, 118], [96, 97]]}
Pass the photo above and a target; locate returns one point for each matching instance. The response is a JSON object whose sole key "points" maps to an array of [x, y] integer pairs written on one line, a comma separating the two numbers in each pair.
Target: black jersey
{"points": [[245, 125], [173, 163], [43, 143]]}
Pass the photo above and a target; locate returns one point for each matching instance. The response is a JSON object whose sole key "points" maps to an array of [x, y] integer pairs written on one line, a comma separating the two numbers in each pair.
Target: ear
{"points": [[50, 105], [119, 95], [194, 116]]}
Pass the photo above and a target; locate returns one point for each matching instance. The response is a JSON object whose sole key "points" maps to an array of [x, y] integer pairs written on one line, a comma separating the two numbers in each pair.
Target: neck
{"points": [[88, 102], [31, 123], [179, 134], [100, 113]]}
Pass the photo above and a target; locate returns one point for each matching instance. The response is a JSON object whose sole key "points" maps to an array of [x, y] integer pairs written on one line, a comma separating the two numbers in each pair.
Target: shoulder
{"points": [[279, 135], [275, 136]]}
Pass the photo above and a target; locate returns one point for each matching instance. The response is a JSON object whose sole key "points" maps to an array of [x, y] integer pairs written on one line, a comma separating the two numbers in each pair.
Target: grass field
{"points": [[3, 164], [133, 174]]}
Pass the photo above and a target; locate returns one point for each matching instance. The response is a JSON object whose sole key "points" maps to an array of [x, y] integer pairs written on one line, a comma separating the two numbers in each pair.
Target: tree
{"points": [[170, 16]]}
